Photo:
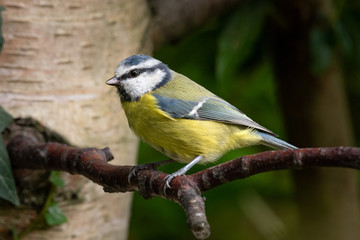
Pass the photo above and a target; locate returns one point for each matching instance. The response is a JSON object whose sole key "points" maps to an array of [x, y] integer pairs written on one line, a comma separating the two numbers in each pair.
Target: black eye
{"points": [[134, 73]]}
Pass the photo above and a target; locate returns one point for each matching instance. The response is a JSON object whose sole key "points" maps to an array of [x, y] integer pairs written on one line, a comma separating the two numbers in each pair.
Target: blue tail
{"points": [[274, 142]]}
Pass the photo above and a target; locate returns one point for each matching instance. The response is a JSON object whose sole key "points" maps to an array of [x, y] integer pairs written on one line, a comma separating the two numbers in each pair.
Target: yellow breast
{"points": [[184, 139]]}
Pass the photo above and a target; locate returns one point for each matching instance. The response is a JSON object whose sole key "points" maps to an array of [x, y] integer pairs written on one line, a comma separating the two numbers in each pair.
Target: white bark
{"points": [[56, 58]]}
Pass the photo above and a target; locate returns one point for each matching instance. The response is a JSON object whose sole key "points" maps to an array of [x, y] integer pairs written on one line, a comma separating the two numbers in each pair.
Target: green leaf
{"points": [[15, 233], [7, 183], [5, 119], [238, 40], [54, 215], [56, 179], [1, 37]]}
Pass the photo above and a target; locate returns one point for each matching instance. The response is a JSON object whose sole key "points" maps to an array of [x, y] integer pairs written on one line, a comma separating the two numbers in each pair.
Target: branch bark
{"points": [[29, 152]]}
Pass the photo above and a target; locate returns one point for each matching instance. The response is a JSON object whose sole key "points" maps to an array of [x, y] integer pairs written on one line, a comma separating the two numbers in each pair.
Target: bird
{"points": [[180, 118]]}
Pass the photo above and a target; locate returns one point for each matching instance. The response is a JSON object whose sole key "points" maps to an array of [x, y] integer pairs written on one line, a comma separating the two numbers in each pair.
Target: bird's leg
{"points": [[179, 172], [154, 165]]}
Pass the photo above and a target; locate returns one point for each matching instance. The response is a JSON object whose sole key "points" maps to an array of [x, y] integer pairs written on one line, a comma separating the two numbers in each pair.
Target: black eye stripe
{"points": [[134, 72], [140, 71]]}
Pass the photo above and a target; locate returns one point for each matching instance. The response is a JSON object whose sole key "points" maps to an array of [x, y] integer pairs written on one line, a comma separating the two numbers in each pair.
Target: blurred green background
{"points": [[231, 57]]}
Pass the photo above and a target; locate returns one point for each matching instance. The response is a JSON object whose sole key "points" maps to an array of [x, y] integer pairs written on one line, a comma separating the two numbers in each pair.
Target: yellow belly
{"points": [[184, 139]]}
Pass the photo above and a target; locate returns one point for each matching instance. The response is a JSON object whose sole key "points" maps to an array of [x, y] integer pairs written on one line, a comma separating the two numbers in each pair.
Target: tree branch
{"points": [[27, 151]]}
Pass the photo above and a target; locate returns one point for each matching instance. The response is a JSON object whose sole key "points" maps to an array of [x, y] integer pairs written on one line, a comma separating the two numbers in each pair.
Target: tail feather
{"points": [[274, 142]]}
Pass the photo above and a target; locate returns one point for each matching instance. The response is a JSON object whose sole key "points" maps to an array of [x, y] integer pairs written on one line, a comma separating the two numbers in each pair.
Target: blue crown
{"points": [[136, 59]]}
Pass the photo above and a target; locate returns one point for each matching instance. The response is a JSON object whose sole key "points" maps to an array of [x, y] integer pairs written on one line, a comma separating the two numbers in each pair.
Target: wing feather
{"points": [[207, 108]]}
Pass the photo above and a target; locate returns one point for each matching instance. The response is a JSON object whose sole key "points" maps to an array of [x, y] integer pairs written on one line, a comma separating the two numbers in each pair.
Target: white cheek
{"points": [[135, 87]]}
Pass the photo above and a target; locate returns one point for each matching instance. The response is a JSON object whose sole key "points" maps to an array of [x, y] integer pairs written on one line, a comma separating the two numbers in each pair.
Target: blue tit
{"points": [[180, 118]]}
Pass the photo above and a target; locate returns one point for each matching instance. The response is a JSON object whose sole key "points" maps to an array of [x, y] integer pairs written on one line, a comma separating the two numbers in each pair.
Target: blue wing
{"points": [[208, 108]]}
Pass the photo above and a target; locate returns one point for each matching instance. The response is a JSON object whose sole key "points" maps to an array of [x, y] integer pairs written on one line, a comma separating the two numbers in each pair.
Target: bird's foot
{"points": [[180, 172], [154, 165], [170, 177]]}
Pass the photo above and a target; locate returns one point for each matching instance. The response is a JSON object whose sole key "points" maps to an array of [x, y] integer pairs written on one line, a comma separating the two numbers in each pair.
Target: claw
{"points": [[135, 169], [132, 173], [168, 179], [167, 182]]}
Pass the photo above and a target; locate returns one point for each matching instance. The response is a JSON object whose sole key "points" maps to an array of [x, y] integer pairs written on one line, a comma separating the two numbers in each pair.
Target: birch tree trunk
{"points": [[56, 58]]}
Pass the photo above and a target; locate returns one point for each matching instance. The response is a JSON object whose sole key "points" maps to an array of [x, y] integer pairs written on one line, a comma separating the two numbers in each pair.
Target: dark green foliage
{"points": [[54, 215], [56, 179], [7, 184], [51, 211], [237, 41], [50, 214], [5, 119]]}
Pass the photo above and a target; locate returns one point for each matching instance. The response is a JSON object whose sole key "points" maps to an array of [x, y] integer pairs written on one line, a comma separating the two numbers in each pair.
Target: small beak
{"points": [[113, 81]]}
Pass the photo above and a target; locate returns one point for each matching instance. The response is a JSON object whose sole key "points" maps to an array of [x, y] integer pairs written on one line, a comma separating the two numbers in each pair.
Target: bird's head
{"points": [[137, 75]]}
